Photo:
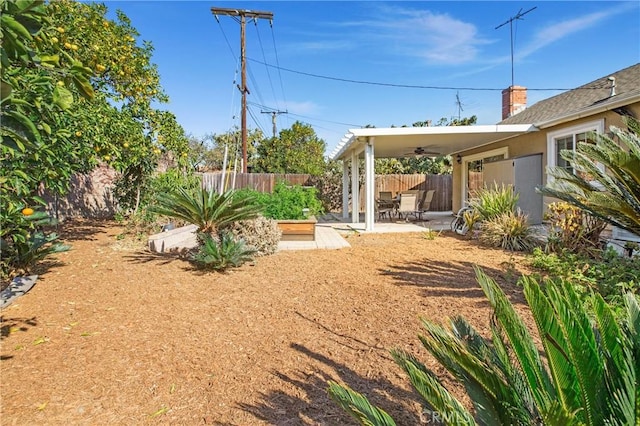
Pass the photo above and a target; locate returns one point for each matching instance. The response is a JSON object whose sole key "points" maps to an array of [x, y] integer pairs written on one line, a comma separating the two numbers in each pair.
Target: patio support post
{"points": [[369, 185], [355, 188], [345, 189]]}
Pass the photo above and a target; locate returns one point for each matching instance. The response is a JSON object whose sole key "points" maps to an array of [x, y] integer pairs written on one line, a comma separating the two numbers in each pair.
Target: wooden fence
{"points": [[395, 184], [262, 182], [265, 182]]}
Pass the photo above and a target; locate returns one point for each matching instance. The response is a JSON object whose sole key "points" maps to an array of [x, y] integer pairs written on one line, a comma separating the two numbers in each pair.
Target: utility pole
{"points": [[243, 15], [519, 15], [273, 118]]}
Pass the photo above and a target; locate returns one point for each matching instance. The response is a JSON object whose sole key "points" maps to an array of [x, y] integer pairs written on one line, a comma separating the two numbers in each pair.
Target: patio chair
{"points": [[425, 204], [385, 196], [385, 204], [407, 205], [384, 209]]}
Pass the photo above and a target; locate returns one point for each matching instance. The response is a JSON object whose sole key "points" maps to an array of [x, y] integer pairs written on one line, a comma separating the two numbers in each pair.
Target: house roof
{"points": [[583, 100]]}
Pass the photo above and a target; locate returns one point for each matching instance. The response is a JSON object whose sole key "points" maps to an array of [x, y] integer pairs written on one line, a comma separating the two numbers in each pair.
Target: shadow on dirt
{"points": [[81, 229], [159, 258], [310, 403], [14, 325], [458, 279]]}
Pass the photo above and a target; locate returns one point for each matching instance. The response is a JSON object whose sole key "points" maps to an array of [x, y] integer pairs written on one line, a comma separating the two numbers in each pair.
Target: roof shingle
{"points": [[594, 93]]}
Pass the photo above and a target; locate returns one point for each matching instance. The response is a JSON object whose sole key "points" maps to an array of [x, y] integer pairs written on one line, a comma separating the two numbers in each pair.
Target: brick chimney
{"points": [[514, 100]]}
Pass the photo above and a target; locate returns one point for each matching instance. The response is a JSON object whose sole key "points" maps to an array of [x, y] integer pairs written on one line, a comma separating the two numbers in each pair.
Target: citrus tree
{"points": [[77, 90], [40, 82]]}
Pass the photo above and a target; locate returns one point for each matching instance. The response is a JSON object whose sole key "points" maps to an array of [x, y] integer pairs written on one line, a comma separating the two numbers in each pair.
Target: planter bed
{"points": [[298, 230]]}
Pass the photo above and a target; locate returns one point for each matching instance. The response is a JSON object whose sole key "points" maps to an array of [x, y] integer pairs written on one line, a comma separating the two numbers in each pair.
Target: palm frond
{"points": [[358, 406], [429, 387], [493, 397], [617, 197], [206, 208], [520, 340], [619, 366]]}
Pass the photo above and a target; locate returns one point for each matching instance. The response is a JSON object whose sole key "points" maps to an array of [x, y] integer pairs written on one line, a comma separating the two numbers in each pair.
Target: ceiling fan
{"points": [[420, 151]]}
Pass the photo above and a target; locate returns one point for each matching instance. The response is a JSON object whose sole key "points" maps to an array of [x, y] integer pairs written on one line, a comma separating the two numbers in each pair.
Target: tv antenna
{"points": [[458, 105], [518, 15]]}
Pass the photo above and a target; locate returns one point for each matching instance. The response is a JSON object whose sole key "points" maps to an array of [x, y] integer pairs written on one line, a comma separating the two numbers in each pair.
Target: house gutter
{"points": [[622, 100]]}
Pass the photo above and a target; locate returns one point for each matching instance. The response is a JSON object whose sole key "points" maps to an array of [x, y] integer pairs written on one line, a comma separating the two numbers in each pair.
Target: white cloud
{"points": [[557, 31], [437, 38], [302, 108]]}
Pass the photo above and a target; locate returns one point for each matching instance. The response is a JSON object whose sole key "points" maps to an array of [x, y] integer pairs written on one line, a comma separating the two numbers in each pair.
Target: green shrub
{"points": [[587, 374], [260, 234], [492, 202], [509, 231], [574, 229], [218, 256], [24, 241], [287, 202], [611, 275]]}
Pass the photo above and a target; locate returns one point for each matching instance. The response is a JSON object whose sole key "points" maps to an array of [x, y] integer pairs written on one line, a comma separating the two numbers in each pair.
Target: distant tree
{"points": [[295, 150], [440, 165]]}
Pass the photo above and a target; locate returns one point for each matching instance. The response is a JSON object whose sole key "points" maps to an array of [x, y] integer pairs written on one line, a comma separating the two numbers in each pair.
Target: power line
{"points": [[407, 86], [273, 38], [243, 15]]}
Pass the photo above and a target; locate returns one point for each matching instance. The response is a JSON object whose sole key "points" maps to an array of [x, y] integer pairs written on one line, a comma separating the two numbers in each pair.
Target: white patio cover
{"points": [[398, 142]]}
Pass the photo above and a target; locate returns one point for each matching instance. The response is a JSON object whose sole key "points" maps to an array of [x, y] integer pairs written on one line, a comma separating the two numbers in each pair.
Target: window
{"points": [[568, 139]]}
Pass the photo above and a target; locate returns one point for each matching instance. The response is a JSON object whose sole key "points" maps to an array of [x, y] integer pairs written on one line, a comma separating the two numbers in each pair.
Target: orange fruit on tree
{"points": [[27, 211]]}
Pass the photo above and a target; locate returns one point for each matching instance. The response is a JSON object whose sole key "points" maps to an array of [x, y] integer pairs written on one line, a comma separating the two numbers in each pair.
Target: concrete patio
{"points": [[331, 228]]}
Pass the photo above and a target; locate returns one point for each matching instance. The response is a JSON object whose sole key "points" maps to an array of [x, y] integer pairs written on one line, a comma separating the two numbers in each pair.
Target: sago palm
{"points": [[206, 208], [590, 375], [612, 194]]}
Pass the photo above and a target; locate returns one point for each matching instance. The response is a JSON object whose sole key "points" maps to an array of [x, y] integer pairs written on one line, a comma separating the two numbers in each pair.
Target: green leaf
{"points": [[50, 59], [62, 97], [25, 122], [10, 22], [5, 90], [46, 128], [83, 85]]}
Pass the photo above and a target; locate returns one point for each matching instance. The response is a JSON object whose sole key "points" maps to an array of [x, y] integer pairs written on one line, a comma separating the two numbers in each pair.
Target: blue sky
{"points": [[453, 48]]}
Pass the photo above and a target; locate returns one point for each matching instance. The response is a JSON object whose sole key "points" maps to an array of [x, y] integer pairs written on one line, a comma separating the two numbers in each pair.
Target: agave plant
{"points": [[612, 194], [206, 208], [219, 256], [590, 376]]}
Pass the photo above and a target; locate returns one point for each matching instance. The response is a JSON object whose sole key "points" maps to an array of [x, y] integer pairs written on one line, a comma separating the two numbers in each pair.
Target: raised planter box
{"points": [[298, 230]]}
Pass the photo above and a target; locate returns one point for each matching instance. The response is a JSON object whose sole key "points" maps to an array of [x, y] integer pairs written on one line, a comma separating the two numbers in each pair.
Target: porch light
{"points": [[459, 159]]}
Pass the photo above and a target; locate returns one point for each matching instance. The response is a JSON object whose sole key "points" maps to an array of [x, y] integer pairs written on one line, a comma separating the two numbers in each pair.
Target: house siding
{"points": [[533, 143]]}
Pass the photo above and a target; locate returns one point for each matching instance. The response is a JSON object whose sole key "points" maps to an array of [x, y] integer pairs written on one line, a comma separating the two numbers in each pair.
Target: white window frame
{"points": [[469, 158], [592, 126]]}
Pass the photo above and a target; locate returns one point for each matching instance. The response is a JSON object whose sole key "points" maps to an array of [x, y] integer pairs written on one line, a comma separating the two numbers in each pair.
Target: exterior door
{"points": [[527, 176]]}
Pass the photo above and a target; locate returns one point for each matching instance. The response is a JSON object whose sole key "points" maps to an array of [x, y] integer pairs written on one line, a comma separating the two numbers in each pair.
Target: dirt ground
{"points": [[114, 335]]}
